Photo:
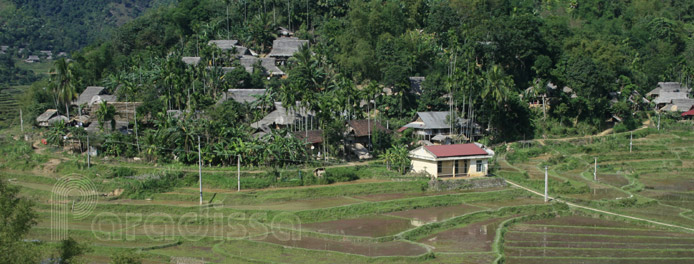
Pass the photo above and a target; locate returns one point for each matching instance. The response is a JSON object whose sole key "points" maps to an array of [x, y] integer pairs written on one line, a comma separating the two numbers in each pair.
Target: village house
{"points": [[88, 94], [678, 105], [360, 131], [282, 117], [269, 65], [664, 94], [42, 119], [451, 161], [242, 96], [47, 54], [32, 59], [312, 138], [358, 136], [231, 45], [283, 48], [435, 126]]}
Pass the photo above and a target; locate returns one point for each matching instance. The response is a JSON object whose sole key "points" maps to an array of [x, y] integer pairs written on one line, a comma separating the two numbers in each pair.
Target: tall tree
{"points": [[16, 218], [64, 83]]}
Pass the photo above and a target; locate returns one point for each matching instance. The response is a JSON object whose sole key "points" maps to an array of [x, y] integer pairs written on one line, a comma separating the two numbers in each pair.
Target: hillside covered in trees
{"points": [[65, 25], [481, 59]]}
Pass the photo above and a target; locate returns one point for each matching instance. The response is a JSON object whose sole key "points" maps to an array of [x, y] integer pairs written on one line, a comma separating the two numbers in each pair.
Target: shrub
{"points": [[121, 172]]}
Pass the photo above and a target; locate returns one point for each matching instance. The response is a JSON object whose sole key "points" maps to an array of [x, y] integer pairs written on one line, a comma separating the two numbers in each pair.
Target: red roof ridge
{"points": [[456, 150]]}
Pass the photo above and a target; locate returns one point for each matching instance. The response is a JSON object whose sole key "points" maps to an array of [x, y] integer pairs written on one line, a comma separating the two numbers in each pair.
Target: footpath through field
{"points": [[598, 210]]}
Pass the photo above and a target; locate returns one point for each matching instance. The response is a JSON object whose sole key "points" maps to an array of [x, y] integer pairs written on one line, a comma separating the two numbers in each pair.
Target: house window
{"points": [[456, 167], [439, 167], [479, 165]]}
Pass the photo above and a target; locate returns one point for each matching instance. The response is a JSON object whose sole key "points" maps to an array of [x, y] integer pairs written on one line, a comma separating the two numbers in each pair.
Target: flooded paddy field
{"points": [[390, 248], [592, 240], [435, 214], [370, 226], [475, 237]]}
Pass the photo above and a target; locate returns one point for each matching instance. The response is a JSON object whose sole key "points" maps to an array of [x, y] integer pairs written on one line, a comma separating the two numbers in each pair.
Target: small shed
{"points": [[42, 120]]}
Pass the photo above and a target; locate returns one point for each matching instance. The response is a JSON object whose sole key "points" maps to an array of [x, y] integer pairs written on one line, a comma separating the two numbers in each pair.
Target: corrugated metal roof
{"points": [[456, 150]]}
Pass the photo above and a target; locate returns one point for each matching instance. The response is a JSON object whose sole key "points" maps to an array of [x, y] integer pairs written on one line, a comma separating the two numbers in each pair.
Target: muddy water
{"points": [[476, 237], [434, 214], [370, 226], [391, 248]]}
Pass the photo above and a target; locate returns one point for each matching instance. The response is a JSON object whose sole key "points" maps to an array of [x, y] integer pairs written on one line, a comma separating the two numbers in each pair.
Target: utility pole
{"points": [[546, 185], [631, 141], [21, 120], [658, 121], [137, 138], [200, 169], [238, 174], [595, 171], [89, 154]]}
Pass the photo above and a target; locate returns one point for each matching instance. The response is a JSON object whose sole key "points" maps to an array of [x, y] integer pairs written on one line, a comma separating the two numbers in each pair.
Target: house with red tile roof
{"points": [[451, 161]]}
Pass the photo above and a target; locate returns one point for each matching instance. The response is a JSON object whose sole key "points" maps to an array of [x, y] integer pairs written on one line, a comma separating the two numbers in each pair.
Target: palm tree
{"points": [[497, 84], [63, 83]]}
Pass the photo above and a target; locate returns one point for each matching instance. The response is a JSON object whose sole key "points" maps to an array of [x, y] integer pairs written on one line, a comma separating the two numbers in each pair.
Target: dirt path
{"points": [[598, 210]]}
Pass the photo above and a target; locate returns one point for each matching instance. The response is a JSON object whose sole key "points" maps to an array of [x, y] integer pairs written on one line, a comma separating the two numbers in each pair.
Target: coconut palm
{"points": [[63, 83], [497, 85]]}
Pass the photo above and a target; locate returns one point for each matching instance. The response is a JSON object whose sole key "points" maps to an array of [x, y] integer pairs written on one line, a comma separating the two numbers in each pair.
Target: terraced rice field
{"points": [[580, 239], [392, 224], [398, 221]]}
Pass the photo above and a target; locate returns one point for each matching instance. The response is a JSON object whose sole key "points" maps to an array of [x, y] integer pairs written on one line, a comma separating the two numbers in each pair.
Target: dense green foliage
{"points": [[16, 218], [479, 59], [65, 25]]}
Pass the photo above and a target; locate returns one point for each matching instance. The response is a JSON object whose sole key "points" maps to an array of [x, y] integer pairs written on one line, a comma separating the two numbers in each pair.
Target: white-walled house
{"points": [[458, 160]]}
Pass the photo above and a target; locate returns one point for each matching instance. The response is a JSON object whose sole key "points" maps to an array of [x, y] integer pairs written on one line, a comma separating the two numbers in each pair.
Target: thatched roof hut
{"points": [[286, 47], [42, 119]]}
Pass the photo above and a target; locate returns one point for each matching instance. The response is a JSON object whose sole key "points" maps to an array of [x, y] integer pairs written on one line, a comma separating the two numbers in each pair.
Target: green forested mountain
{"points": [[65, 25], [485, 54]]}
